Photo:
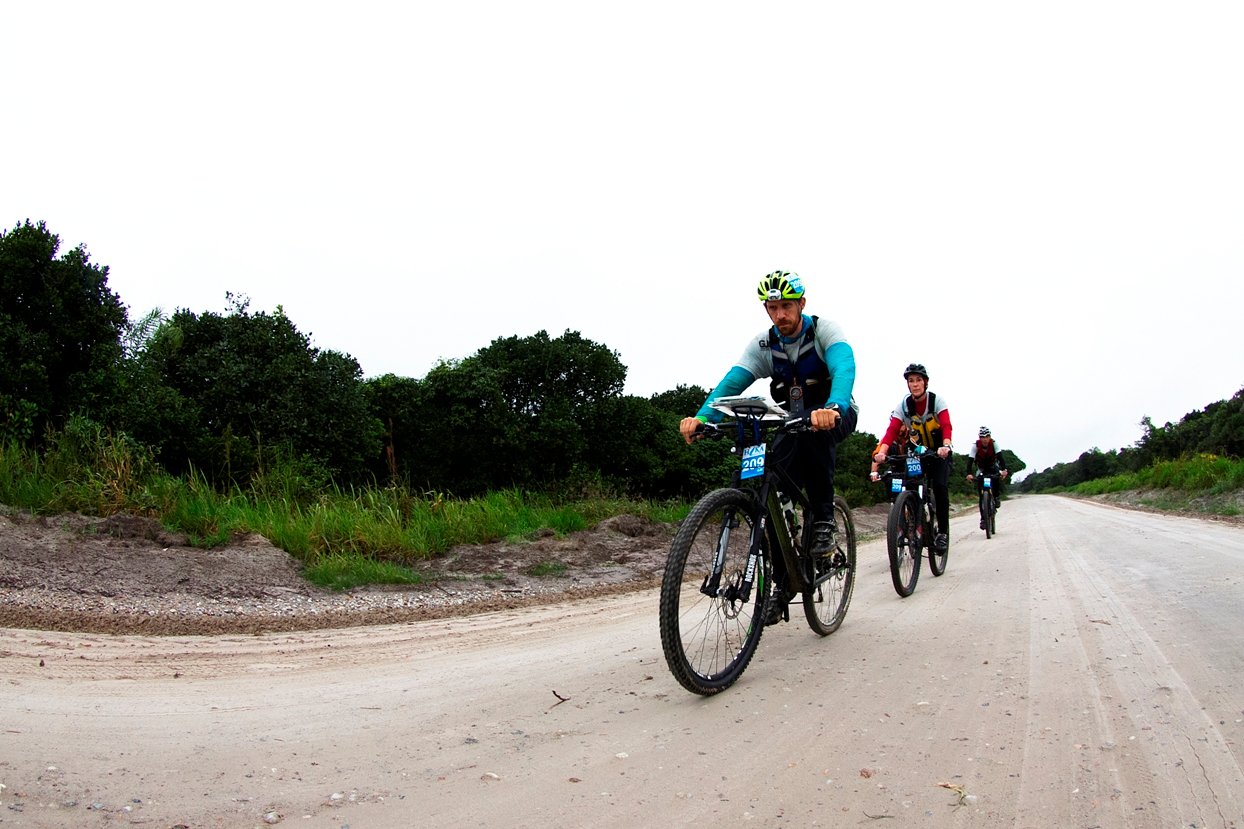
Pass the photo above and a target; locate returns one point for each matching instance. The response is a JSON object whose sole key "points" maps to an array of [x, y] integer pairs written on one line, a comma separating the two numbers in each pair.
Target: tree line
{"points": [[1217, 430], [228, 396]]}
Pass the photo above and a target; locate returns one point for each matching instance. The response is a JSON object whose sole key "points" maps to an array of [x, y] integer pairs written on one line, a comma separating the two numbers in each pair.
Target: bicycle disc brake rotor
{"points": [[731, 603]]}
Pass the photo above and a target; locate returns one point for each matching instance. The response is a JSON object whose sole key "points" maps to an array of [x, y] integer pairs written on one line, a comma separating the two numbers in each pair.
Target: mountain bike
{"points": [[988, 505], [718, 581], [911, 526]]}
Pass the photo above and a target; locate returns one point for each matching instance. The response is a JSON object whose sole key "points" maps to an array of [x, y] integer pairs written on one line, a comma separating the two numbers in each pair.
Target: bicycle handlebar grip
{"points": [[794, 422], [706, 430]]}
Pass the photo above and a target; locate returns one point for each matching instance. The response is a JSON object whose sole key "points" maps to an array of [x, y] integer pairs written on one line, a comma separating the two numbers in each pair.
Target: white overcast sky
{"points": [[1042, 202]]}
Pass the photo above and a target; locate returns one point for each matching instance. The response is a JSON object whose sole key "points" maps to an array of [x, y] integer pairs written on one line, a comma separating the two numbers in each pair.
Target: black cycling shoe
{"points": [[823, 537], [940, 543], [778, 608]]}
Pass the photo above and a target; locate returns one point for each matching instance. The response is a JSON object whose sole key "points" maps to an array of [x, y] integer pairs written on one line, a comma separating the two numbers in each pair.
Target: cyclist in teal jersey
{"points": [[811, 368]]}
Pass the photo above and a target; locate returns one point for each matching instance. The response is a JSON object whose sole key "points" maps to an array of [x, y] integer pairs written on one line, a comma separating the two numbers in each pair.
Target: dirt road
{"points": [[1082, 668]]}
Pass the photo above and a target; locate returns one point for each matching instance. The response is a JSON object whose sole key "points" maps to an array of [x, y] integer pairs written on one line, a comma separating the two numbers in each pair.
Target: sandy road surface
{"points": [[1082, 668]]}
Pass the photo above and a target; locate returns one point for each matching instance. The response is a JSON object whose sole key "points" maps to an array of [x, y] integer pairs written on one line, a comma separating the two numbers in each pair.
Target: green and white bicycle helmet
{"points": [[780, 285]]}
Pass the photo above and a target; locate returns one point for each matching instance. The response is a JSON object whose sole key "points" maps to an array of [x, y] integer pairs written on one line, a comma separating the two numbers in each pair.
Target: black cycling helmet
{"points": [[984, 432], [915, 368]]}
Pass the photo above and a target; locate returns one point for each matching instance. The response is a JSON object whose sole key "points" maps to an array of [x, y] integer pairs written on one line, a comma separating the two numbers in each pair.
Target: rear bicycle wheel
{"points": [[825, 603], [709, 632], [903, 539], [937, 561]]}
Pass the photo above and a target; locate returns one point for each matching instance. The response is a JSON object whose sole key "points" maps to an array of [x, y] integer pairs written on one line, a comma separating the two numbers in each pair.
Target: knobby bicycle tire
{"points": [[903, 540], [825, 603], [709, 640], [987, 513]]}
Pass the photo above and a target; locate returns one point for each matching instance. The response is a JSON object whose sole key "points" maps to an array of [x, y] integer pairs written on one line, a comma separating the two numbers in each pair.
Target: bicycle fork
{"points": [[738, 587]]}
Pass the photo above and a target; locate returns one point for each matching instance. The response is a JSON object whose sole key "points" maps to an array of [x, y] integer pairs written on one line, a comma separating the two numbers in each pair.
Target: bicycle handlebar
{"points": [[801, 422], [910, 452]]}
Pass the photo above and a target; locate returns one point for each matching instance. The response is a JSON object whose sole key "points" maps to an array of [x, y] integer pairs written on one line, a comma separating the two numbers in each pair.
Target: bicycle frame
{"points": [[905, 472], [752, 430]]}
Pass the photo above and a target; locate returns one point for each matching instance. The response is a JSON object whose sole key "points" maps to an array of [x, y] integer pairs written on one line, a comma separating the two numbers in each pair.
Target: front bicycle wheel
{"points": [[825, 603], [903, 539], [986, 513], [937, 561], [992, 524], [709, 630]]}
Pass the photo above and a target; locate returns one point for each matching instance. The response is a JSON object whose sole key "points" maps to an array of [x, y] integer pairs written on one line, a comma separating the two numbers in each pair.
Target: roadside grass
{"points": [[343, 572], [548, 568], [1208, 484], [344, 537], [347, 537]]}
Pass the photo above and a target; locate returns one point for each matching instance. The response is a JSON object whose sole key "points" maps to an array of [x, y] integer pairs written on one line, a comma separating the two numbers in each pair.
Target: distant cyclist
{"points": [[811, 369], [928, 418], [985, 456]]}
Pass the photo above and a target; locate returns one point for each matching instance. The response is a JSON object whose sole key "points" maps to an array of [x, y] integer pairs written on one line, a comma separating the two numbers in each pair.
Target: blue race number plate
{"points": [[753, 462]]}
